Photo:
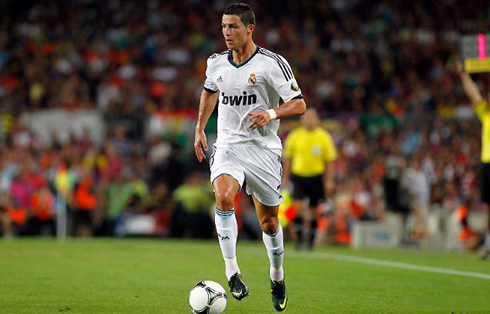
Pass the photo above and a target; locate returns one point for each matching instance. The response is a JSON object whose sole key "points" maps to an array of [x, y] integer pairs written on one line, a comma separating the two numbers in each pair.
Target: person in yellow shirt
{"points": [[482, 111], [309, 153]]}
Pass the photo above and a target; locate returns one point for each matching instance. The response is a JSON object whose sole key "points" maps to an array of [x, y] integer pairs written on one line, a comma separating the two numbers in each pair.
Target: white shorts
{"points": [[260, 166]]}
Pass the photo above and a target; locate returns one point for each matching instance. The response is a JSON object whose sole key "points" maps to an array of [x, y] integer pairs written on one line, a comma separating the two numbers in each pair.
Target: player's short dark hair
{"points": [[243, 11]]}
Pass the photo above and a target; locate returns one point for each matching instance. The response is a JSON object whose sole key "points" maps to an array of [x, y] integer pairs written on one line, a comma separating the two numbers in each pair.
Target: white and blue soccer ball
{"points": [[207, 297]]}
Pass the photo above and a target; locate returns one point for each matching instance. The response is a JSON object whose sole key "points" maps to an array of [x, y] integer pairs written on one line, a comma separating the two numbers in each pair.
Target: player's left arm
{"points": [[281, 79], [292, 108]]}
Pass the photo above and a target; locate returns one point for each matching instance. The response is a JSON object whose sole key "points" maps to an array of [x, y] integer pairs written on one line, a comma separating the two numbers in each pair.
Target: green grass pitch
{"points": [[155, 276]]}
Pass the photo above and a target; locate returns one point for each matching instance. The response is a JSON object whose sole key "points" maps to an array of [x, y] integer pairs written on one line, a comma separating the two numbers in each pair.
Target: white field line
{"points": [[377, 262]]}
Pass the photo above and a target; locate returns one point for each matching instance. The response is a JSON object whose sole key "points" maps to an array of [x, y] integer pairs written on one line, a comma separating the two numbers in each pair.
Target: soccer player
{"points": [[249, 82], [482, 111], [309, 154]]}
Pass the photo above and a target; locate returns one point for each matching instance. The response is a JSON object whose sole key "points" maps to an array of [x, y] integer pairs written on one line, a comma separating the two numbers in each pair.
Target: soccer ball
{"points": [[207, 297]]}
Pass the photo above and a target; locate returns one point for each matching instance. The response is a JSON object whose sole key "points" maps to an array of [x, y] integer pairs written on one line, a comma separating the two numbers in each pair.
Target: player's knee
{"points": [[224, 199], [269, 225]]}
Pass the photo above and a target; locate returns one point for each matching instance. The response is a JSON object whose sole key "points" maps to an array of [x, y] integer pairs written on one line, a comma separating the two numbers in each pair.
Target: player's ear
{"points": [[250, 29]]}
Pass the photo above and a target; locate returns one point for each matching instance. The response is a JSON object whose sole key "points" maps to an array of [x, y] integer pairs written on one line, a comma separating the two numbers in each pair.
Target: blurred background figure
{"points": [[5, 216], [482, 111], [309, 153], [418, 186], [42, 220], [471, 240], [84, 205], [193, 205]]}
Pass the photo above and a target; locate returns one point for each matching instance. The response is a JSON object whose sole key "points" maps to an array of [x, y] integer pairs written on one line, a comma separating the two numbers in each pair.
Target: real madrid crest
{"points": [[252, 79]]}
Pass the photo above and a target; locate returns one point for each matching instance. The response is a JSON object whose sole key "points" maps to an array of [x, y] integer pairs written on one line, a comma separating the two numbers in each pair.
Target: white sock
{"points": [[227, 229], [275, 250]]}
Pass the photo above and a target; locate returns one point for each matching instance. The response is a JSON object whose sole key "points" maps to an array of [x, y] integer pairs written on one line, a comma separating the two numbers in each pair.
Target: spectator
{"points": [[42, 208], [84, 205], [193, 201]]}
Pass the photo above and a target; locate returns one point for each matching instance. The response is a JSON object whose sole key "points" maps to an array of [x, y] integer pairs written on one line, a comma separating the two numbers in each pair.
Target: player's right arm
{"points": [[469, 86], [206, 106]]}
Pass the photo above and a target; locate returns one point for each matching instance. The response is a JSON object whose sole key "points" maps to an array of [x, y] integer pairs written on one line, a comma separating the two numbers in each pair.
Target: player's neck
{"points": [[244, 52]]}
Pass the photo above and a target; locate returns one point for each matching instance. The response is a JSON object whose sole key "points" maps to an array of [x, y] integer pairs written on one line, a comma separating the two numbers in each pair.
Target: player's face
{"points": [[234, 31]]}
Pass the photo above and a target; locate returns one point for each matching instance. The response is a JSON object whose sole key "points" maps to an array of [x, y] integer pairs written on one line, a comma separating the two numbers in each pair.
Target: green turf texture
{"points": [[155, 276]]}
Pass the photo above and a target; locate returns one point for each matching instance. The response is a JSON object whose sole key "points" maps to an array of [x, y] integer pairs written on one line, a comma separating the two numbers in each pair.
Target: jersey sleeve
{"points": [[482, 109], [281, 78], [210, 84], [330, 152]]}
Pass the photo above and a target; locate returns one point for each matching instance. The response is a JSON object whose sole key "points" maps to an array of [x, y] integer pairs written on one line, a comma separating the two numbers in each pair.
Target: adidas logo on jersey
{"points": [[220, 79], [244, 100]]}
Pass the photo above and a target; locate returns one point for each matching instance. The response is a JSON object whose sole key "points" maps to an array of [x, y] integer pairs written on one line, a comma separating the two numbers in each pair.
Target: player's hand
{"points": [[200, 145], [258, 119]]}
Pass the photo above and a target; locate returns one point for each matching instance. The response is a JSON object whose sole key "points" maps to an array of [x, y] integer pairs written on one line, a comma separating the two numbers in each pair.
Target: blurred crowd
{"points": [[378, 71], [97, 187]]}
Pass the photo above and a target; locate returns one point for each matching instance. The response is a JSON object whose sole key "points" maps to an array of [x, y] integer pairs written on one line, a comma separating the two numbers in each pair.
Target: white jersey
{"points": [[256, 84]]}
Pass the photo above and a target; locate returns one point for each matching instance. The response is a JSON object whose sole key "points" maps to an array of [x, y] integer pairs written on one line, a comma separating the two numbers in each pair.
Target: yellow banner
{"points": [[474, 65]]}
